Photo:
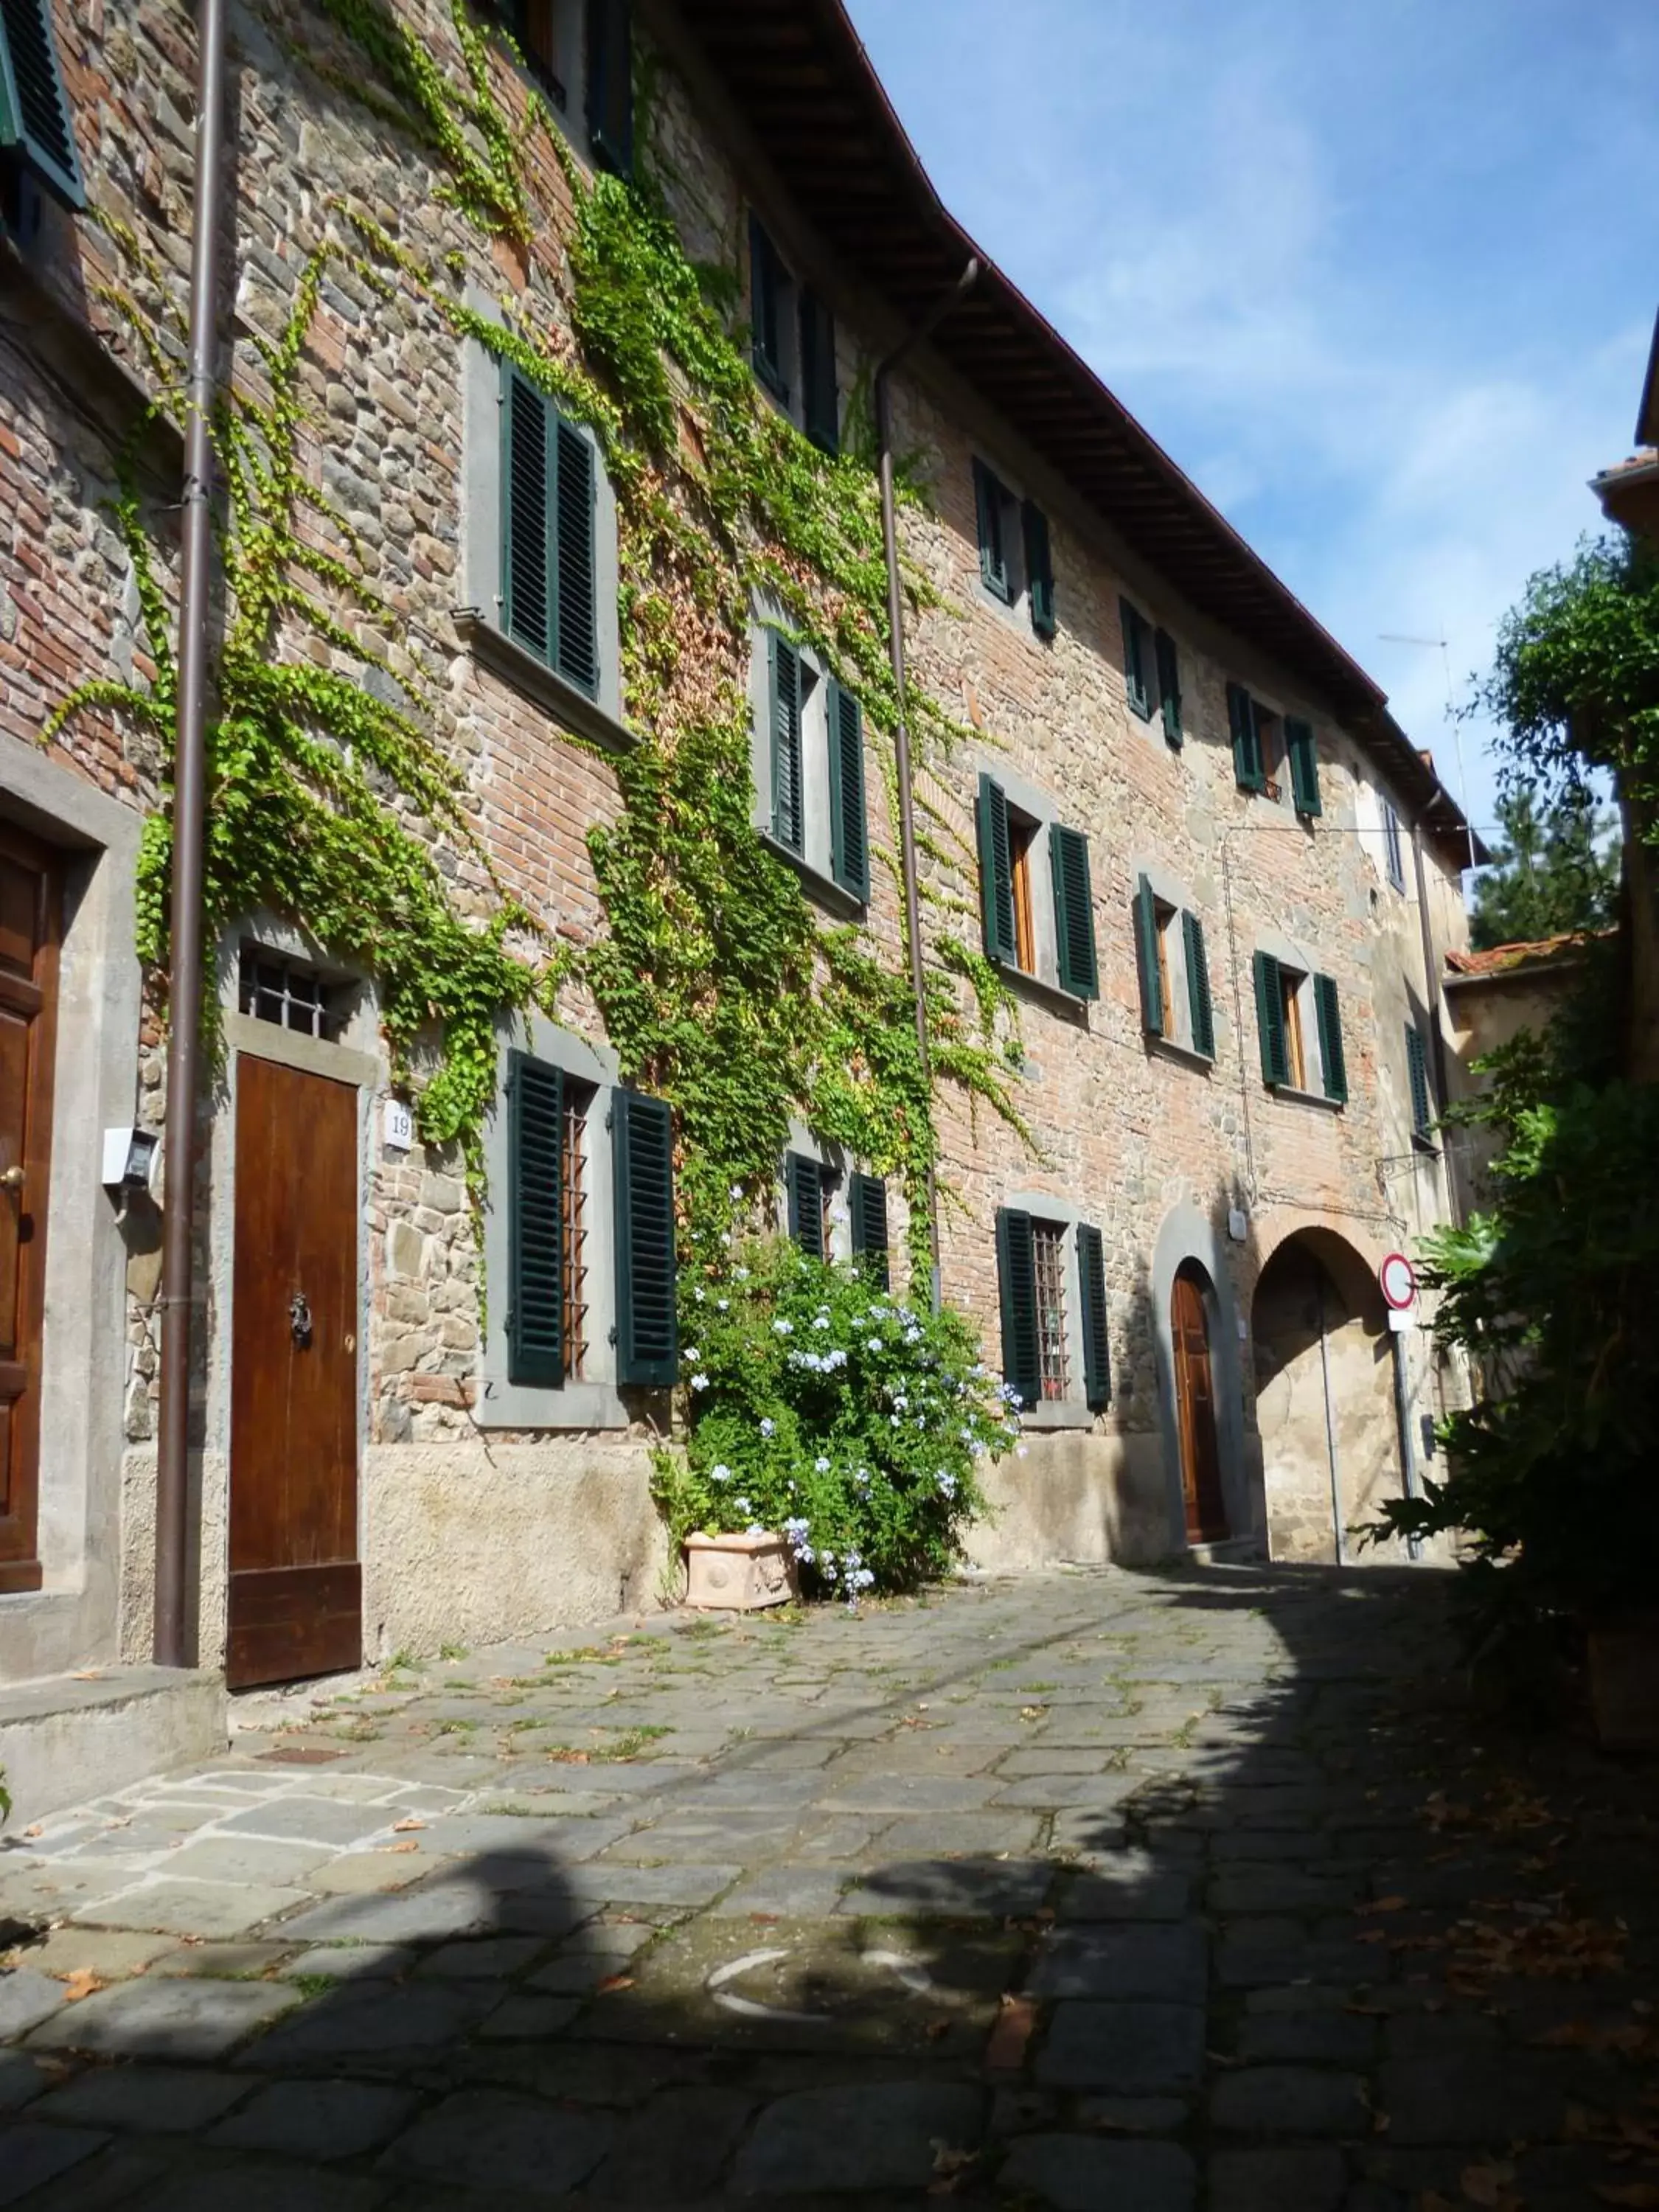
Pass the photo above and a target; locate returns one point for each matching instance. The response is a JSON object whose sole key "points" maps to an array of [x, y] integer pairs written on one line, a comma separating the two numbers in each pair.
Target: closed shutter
{"points": [[34, 110], [1303, 757], [642, 1151], [529, 551], [1329, 1011], [1091, 1317], [1074, 912], [1247, 770], [996, 872], [788, 816], [611, 85], [1153, 1012], [820, 411], [803, 1183], [535, 1310], [850, 833], [1198, 986], [988, 497], [1039, 569], [764, 310], [1270, 1021], [574, 596], [1417, 1066], [1016, 1286], [867, 1204], [1169, 685], [1135, 658]]}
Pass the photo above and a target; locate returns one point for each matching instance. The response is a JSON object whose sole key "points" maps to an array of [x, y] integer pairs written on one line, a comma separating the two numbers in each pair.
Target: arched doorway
{"points": [[1196, 1407]]}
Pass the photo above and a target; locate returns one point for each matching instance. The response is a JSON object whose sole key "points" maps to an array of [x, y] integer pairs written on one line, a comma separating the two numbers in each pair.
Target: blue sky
{"points": [[1381, 275]]}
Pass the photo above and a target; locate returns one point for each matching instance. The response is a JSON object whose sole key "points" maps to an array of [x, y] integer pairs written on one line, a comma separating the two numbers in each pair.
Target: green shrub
{"points": [[823, 1406]]}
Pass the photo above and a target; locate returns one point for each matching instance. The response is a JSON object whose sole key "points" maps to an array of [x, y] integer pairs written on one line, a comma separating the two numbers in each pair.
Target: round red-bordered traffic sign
{"points": [[1398, 1279]]}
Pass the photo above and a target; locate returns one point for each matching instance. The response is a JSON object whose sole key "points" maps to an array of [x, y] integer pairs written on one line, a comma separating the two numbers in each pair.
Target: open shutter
{"points": [[1016, 1284], [1153, 1012], [993, 554], [803, 1183], [642, 1150], [1417, 1066], [1270, 1021], [1304, 766], [850, 833], [1091, 1317], [867, 1204], [1039, 569], [575, 598], [535, 1310], [1169, 685], [765, 336], [1074, 912], [529, 544], [34, 110], [1247, 770], [611, 85], [820, 413], [1135, 658], [996, 872], [1198, 986], [789, 817], [1329, 1011]]}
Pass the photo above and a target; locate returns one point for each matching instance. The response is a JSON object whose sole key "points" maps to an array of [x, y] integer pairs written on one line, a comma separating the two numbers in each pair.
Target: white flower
{"points": [[725, 1238], [699, 1382], [874, 1345], [740, 1275], [822, 1464], [947, 1484], [699, 1294], [754, 1529], [767, 1424], [783, 1329], [901, 1401], [692, 1354], [1022, 1451], [736, 1190], [744, 1506], [723, 1303], [720, 1472], [820, 1321]]}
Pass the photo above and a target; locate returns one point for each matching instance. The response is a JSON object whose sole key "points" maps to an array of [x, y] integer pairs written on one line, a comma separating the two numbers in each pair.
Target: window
{"points": [[814, 1220], [1136, 649], [1264, 743], [611, 85], [1303, 757], [807, 1184], [1015, 558], [548, 478], [1174, 973], [1152, 671], [535, 28], [1045, 1335], [1289, 1002], [274, 989], [867, 1210], [37, 132], [1009, 838], [1169, 685], [1391, 846], [1417, 1070], [809, 767], [793, 343]]}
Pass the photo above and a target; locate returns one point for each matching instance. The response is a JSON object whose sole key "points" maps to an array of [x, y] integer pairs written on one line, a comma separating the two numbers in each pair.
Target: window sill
{"points": [[567, 706], [1425, 1146], [1056, 1413], [578, 1406], [1038, 987], [1169, 1048], [817, 885], [1292, 1097]]}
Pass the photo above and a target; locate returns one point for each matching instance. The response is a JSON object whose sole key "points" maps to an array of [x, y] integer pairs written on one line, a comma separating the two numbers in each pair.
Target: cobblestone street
{"points": [[1133, 1891]]}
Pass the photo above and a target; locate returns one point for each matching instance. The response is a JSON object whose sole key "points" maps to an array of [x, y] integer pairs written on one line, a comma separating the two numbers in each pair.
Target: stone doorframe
{"points": [[1188, 1235]]}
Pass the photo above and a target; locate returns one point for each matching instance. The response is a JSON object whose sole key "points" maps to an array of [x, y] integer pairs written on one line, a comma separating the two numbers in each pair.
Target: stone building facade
{"points": [[1247, 807]]}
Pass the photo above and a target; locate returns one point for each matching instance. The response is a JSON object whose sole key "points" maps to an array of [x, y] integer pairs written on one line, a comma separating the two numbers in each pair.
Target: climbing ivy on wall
{"points": [[718, 984]]}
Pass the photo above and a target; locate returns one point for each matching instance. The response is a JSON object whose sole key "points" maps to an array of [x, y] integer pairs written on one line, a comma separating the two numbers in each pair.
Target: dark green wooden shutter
{"points": [[34, 109], [867, 1204], [764, 310], [1417, 1066], [820, 411], [850, 833], [988, 497], [1169, 685], [529, 546], [1247, 740], [1091, 1317], [535, 1307], [1134, 658], [611, 85], [643, 1154], [1198, 986], [1270, 1021], [575, 598], [1329, 1011], [1074, 912], [1016, 1286], [996, 873], [1303, 757], [1039, 569], [1153, 1009], [789, 815], [803, 1181]]}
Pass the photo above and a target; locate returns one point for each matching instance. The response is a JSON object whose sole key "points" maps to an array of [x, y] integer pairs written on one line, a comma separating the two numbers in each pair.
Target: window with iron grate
{"points": [[1048, 1257], [574, 1202], [273, 988]]}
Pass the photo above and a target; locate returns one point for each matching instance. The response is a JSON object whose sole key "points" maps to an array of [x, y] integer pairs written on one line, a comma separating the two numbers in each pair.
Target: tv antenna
{"points": [[1442, 646]]}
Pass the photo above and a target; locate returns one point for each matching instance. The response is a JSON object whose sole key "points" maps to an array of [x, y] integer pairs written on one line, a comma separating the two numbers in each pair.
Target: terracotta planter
{"points": [[1624, 1681], [739, 1574]]}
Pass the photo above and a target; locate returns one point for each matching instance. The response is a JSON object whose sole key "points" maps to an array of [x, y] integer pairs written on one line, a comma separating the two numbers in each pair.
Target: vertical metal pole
{"points": [[188, 787], [1330, 1416], [1402, 1413]]}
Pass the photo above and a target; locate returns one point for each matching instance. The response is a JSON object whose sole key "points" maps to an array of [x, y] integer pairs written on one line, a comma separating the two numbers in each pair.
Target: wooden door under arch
{"points": [[1200, 1444]]}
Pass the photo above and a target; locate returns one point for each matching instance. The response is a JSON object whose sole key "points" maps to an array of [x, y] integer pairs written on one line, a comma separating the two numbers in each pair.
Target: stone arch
{"points": [[1187, 1238]]}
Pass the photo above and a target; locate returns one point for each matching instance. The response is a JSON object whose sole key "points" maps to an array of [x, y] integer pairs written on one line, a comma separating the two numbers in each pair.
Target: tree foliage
{"points": [[1556, 871]]}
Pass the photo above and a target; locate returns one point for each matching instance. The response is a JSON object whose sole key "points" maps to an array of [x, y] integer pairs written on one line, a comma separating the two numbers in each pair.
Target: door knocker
{"points": [[299, 1320]]}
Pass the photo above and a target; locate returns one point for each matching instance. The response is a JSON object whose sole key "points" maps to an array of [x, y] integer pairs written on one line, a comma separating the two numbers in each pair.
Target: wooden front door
{"points": [[31, 917], [295, 1585], [1200, 1450]]}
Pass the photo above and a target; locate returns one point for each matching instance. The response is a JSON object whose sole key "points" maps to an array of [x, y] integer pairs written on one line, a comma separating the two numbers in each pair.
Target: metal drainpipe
{"points": [[902, 733], [188, 792], [1431, 992]]}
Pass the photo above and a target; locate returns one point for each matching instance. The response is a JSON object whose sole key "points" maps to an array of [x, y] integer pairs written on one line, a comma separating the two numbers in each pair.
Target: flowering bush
{"points": [[823, 1407]]}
